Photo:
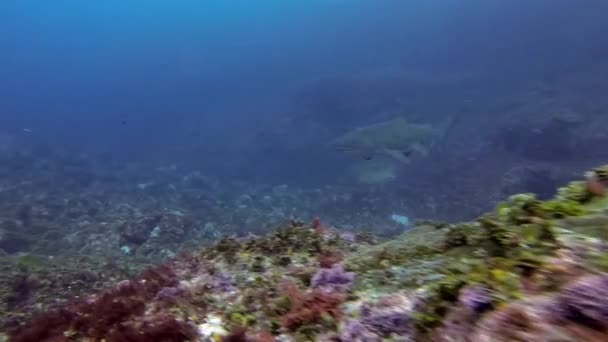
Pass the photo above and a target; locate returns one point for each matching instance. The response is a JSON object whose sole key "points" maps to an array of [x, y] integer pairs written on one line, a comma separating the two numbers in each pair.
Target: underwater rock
{"points": [[541, 179], [547, 137], [12, 242]]}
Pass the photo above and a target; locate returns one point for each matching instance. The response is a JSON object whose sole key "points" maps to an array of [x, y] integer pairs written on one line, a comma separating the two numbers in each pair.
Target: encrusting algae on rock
{"points": [[531, 270]]}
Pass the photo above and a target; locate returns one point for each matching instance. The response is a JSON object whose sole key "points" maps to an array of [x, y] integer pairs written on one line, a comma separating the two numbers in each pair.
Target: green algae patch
{"points": [[286, 241], [595, 225], [415, 245]]}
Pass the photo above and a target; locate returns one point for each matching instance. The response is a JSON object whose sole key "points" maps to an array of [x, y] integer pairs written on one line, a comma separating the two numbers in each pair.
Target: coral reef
{"points": [[531, 270]]}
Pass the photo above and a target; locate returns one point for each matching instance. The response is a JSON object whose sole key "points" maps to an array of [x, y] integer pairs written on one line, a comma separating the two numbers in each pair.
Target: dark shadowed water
{"points": [[253, 90]]}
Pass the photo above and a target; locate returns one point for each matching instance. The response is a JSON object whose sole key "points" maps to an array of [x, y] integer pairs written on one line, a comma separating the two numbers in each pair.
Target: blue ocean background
{"points": [[218, 84]]}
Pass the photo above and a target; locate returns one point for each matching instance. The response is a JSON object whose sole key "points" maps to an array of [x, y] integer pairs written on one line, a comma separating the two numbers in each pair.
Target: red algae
{"points": [[238, 334], [117, 314], [310, 307], [241, 334], [329, 257], [318, 226], [596, 187]]}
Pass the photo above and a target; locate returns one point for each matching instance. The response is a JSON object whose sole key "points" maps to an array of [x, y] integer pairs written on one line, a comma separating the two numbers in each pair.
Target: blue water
{"points": [[228, 87]]}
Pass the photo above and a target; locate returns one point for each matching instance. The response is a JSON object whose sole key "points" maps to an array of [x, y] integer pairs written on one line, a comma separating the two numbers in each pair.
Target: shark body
{"points": [[396, 138]]}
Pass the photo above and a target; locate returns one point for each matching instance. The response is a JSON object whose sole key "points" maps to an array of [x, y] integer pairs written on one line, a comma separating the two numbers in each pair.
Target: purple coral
{"points": [[354, 330], [476, 299], [389, 322], [333, 279], [173, 293], [223, 282], [348, 237], [391, 315], [586, 302]]}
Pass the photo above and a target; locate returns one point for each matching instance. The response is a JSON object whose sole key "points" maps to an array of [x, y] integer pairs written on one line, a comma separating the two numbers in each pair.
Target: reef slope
{"points": [[529, 271]]}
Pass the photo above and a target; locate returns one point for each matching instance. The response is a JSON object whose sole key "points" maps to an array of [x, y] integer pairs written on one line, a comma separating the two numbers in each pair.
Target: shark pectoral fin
{"points": [[420, 149], [367, 154], [399, 155]]}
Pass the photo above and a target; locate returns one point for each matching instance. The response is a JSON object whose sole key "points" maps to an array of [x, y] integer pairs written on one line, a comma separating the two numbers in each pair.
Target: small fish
{"points": [[27, 130]]}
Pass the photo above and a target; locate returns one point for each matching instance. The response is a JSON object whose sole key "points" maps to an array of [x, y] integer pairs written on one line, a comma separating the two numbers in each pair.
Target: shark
{"points": [[396, 138]]}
